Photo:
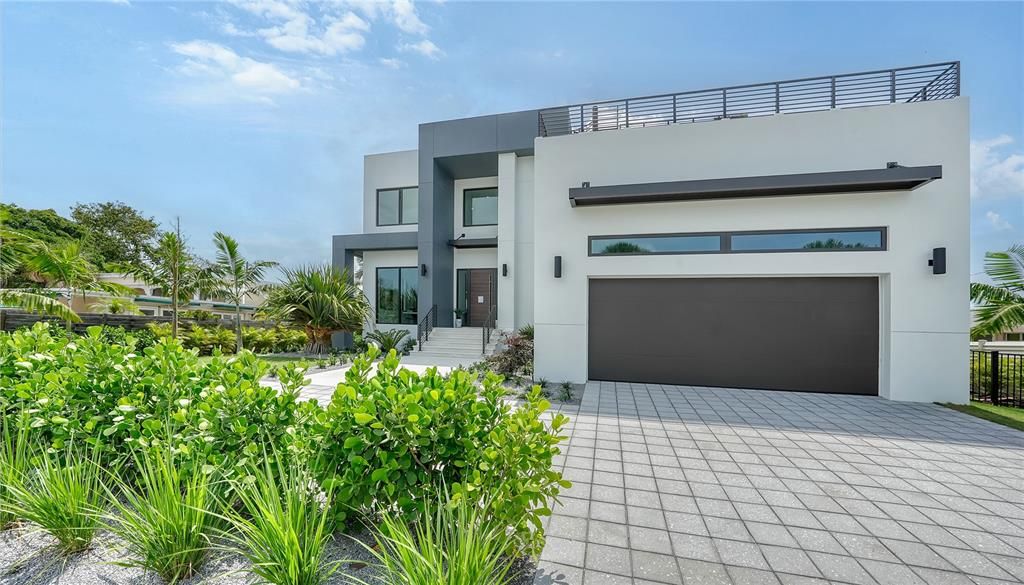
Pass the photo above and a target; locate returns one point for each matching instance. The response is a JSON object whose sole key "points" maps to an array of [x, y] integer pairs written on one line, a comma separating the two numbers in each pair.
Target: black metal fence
{"points": [[937, 81], [12, 319], [997, 378]]}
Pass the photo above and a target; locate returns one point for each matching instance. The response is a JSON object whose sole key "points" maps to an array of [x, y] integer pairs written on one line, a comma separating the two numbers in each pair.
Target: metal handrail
{"points": [[425, 326], [489, 324], [936, 81]]}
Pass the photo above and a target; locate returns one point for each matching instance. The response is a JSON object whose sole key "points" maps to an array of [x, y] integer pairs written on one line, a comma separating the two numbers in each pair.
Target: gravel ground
{"points": [[27, 558]]}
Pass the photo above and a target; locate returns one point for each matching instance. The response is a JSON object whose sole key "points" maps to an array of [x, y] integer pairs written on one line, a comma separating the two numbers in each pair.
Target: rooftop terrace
{"points": [[938, 81]]}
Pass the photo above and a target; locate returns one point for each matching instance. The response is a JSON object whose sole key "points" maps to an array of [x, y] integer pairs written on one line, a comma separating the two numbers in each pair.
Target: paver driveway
{"points": [[696, 485]]}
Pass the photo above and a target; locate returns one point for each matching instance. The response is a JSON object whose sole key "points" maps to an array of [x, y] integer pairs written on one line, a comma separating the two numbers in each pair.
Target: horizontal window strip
{"points": [[804, 240]]}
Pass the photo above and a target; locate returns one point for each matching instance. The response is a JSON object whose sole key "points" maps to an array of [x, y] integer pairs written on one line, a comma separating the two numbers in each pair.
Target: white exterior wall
{"points": [[384, 259], [521, 270], [389, 170], [924, 318], [506, 256]]}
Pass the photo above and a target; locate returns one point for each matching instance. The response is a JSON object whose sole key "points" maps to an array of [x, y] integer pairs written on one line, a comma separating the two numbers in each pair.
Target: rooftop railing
{"points": [[938, 81]]}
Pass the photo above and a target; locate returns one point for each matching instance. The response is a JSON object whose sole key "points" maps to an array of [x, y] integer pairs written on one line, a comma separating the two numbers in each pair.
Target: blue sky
{"points": [[251, 117]]}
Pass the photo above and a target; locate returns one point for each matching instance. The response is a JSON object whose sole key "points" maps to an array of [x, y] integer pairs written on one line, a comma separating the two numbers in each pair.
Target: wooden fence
{"points": [[11, 319]]}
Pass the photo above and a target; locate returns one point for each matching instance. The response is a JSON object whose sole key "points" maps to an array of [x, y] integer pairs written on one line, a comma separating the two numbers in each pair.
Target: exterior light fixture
{"points": [[504, 269], [558, 267], [938, 261], [423, 269]]}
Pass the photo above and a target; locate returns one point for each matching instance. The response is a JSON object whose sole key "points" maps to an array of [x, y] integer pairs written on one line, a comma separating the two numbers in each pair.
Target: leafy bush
{"points": [[515, 357], [392, 440], [283, 526], [526, 331], [63, 496], [388, 340], [166, 517], [209, 339], [455, 543], [199, 315]]}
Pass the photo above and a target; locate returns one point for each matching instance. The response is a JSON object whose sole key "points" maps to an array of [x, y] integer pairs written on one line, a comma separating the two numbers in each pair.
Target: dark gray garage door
{"points": [[810, 334]]}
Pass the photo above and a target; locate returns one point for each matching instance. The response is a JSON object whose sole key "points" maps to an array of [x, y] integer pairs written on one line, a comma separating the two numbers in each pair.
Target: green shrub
{"points": [[515, 358], [166, 517], [454, 543], [388, 340], [199, 315], [526, 331], [283, 526], [391, 440], [63, 496]]}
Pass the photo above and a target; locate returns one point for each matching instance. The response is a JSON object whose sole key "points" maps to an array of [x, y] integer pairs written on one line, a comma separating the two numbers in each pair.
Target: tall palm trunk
{"points": [[238, 328]]}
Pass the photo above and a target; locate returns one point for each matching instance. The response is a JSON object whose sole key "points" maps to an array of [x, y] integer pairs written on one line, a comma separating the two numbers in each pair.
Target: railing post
{"points": [[674, 111], [582, 127], [778, 103], [725, 105], [627, 113], [924, 93], [993, 370], [833, 93], [892, 86]]}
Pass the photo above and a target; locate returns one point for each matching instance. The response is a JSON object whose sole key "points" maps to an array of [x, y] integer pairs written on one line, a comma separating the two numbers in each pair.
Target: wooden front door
{"points": [[477, 294]]}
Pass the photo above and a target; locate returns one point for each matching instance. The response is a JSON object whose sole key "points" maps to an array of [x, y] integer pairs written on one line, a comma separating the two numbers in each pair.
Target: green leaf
{"points": [[363, 418]]}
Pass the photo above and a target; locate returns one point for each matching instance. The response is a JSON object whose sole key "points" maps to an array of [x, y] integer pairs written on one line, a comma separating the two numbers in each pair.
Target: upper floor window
{"points": [[480, 206], [398, 206]]}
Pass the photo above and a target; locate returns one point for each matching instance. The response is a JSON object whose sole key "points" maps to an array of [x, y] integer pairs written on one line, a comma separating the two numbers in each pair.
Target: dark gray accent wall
{"points": [[856, 181], [450, 150]]}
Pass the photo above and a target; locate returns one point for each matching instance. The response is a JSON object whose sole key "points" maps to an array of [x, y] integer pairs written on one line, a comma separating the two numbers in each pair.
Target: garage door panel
{"points": [[812, 334]]}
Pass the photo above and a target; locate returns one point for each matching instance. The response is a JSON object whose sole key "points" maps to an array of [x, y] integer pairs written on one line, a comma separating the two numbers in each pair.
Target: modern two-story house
{"points": [[807, 235]]}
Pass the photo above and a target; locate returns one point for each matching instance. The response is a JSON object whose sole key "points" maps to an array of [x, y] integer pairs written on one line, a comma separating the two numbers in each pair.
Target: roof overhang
{"points": [[467, 243], [834, 182]]}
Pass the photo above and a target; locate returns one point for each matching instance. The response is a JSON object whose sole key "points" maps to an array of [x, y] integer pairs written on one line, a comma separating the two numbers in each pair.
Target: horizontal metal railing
{"points": [[997, 378], [937, 81]]}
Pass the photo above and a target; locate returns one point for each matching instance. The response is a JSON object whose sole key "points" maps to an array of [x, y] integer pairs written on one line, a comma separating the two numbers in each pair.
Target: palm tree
{"points": [[238, 278], [320, 299], [116, 306], [14, 248], [66, 266], [1000, 306], [177, 271]]}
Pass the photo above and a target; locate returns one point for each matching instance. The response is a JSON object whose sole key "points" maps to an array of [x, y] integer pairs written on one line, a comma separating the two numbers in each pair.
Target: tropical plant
{"points": [[283, 527], [566, 391], [66, 266], [36, 301], [453, 543], [393, 439], [1000, 306], [387, 340], [116, 306], [63, 496], [322, 300], [526, 331], [167, 516], [15, 457], [514, 357], [176, 270], [237, 278]]}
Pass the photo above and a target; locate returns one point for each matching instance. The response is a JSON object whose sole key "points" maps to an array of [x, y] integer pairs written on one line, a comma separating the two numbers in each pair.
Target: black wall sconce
{"points": [[558, 267], [938, 261], [423, 269], [504, 269]]}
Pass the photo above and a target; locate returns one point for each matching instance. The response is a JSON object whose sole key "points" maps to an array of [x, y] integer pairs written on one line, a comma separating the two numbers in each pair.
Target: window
{"points": [[1015, 337], [633, 245], [396, 296], [398, 206], [480, 206], [823, 240], [870, 239]]}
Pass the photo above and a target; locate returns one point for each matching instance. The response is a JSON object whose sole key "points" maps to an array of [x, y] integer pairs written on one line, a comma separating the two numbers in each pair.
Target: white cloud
{"points": [[223, 75], [403, 14], [424, 47], [995, 173], [998, 223], [340, 34], [391, 63]]}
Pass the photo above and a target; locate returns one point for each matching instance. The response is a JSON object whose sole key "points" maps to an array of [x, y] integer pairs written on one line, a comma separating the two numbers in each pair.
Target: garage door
{"points": [[808, 334]]}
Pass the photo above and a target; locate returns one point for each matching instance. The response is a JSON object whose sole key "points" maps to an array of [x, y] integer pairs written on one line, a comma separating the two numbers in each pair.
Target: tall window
{"points": [[396, 296], [398, 206], [480, 206]]}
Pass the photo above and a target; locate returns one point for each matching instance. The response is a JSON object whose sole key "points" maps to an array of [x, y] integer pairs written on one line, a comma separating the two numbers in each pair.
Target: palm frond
{"points": [[1007, 268], [35, 302]]}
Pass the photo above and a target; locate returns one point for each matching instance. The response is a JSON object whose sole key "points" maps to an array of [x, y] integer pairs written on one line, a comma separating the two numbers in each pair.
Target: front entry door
{"points": [[477, 294]]}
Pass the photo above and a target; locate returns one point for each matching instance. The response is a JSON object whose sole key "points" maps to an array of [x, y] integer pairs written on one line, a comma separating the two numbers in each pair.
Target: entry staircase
{"points": [[457, 343]]}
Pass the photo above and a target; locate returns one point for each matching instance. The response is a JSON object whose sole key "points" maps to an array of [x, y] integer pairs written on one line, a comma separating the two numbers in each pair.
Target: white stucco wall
{"points": [[923, 317], [389, 170], [521, 270], [384, 259]]}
